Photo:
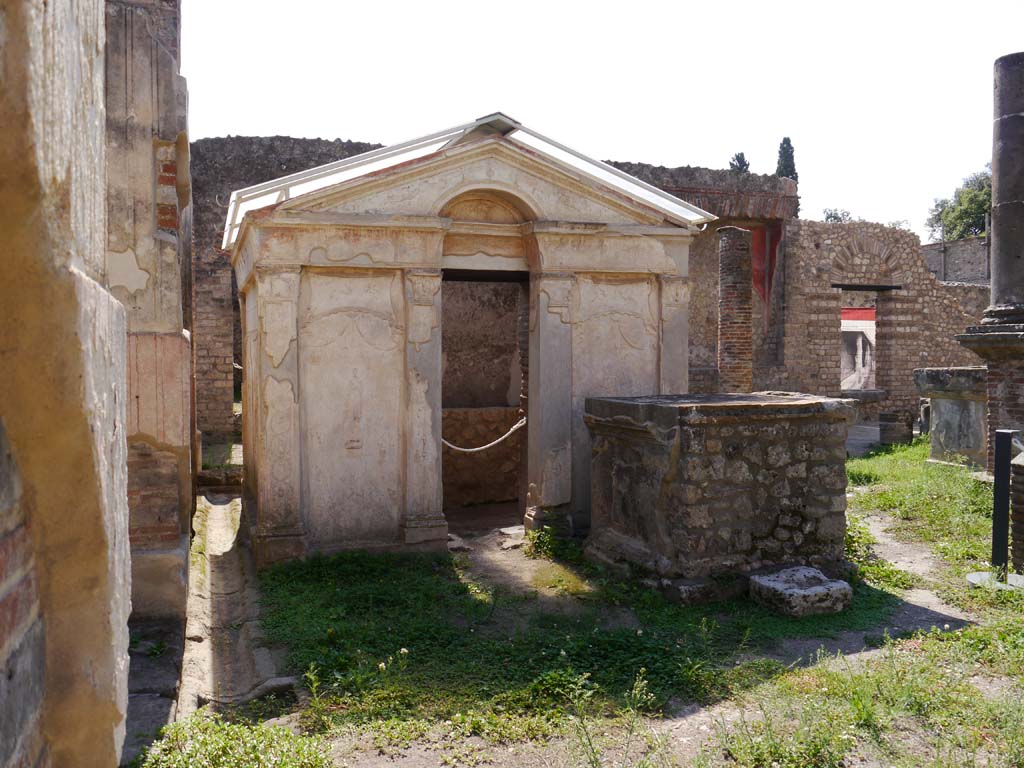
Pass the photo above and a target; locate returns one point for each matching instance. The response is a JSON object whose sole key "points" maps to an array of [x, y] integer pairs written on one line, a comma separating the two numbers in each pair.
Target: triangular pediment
{"points": [[494, 154], [422, 187]]}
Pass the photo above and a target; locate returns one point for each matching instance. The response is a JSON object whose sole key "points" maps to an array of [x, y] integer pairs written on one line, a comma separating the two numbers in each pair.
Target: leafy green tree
{"points": [[963, 215], [739, 163], [837, 216], [787, 165]]}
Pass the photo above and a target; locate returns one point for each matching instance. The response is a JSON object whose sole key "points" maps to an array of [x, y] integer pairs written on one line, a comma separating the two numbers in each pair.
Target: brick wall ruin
{"points": [[747, 200], [21, 626], [219, 167], [480, 356], [917, 317]]}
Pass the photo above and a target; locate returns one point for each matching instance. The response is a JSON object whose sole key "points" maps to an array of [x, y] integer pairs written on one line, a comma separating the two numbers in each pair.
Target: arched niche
{"points": [[486, 232]]}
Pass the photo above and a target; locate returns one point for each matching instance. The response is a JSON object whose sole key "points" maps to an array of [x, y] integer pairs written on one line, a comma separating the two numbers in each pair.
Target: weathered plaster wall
{"points": [[148, 270], [64, 571], [961, 261], [478, 341], [915, 325], [219, 167]]}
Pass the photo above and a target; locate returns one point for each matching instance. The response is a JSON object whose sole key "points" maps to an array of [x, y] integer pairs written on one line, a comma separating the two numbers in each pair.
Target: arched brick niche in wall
{"points": [[917, 317]]}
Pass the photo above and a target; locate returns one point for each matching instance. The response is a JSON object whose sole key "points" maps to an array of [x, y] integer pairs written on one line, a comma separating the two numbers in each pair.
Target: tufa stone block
{"points": [[801, 591]]}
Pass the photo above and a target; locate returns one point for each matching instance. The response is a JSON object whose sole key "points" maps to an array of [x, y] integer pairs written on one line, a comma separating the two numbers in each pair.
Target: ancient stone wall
{"points": [[219, 167], [478, 343], [487, 476], [961, 261], [916, 321], [64, 570]]}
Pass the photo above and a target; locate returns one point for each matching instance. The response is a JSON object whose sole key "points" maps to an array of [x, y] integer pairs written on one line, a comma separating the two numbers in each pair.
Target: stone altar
{"points": [[694, 486], [959, 398]]}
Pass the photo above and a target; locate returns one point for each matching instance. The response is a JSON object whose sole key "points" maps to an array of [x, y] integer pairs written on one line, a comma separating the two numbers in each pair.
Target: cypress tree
{"points": [[739, 163], [787, 164]]}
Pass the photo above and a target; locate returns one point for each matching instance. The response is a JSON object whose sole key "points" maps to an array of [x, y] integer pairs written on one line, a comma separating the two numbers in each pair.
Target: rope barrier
{"points": [[517, 425]]}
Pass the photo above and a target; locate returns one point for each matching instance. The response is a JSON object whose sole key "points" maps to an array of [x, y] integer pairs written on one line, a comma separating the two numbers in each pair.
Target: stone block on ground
{"points": [[801, 591]]}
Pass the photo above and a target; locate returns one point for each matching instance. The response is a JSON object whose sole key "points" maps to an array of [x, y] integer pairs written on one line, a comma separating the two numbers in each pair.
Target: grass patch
{"points": [[935, 698], [206, 739], [399, 646], [935, 503], [920, 687], [871, 568]]}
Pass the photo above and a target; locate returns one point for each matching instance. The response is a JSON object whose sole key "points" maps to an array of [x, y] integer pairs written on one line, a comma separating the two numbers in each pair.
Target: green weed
{"points": [[206, 739]]}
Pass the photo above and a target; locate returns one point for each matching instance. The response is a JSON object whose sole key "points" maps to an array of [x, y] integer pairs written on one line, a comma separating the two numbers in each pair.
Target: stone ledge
{"points": [[967, 382]]}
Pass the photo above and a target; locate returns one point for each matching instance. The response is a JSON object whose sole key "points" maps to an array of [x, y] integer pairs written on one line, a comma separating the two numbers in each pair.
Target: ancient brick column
{"points": [[1000, 337], [735, 338]]}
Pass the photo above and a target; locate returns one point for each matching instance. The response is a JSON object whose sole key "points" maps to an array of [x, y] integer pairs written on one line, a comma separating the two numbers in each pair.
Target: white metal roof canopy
{"points": [[303, 182]]}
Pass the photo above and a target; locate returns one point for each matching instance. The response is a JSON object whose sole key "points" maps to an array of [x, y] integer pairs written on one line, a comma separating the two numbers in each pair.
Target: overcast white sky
{"points": [[888, 104]]}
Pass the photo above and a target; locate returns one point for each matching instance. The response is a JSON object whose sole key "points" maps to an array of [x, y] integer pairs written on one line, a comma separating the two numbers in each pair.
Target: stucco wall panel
{"points": [[351, 363]]}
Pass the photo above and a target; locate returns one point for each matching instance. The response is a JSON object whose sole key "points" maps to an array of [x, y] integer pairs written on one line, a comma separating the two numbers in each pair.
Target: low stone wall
{"points": [[695, 486], [959, 406], [488, 476]]}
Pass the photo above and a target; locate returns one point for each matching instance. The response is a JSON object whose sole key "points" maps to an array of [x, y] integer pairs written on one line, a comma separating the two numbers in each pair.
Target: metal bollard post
{"points": [[1001, 502]]}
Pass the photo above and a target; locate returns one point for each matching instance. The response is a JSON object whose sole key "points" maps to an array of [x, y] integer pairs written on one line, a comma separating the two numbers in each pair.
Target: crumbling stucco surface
{"points": [[62, 393]]}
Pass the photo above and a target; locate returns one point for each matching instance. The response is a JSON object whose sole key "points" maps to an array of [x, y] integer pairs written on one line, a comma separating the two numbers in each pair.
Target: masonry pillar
{"points": [[550, 405], [735, 336], [999, 340], [147, 258]]}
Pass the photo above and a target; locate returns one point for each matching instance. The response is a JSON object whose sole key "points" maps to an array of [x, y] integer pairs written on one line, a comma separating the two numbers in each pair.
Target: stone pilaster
{"points": [[735, 335], [423, 523], [675, 334], [550, 414], [279, 533], [999, 340]]}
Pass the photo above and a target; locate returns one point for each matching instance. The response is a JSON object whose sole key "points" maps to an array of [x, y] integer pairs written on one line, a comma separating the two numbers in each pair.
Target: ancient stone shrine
{"points": [[341, 272]]}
